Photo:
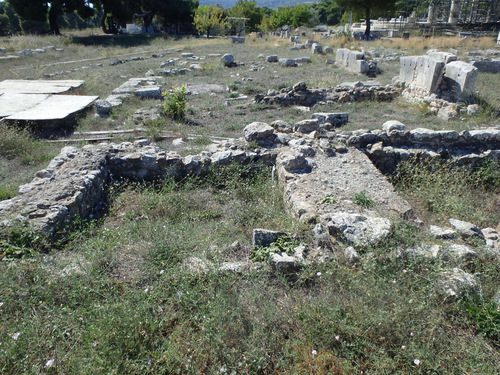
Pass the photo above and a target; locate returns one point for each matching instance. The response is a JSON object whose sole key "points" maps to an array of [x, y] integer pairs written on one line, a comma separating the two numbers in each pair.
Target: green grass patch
{"points": [[440, 190]]}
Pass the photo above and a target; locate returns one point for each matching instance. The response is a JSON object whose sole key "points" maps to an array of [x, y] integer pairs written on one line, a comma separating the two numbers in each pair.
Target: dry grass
{"points": [[417, 45]]}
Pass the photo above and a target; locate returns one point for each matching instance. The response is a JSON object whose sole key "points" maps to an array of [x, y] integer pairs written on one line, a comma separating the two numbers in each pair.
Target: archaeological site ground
{"points": [[285, 204]]}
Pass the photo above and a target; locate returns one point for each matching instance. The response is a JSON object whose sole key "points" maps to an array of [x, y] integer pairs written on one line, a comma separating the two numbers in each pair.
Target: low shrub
{"points": [[175, 105]]}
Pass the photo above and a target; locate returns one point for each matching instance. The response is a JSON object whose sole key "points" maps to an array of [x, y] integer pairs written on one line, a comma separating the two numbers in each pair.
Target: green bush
{"points": [[175, 106]]}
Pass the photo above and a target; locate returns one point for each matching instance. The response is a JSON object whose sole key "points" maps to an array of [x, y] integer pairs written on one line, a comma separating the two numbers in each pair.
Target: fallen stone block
{"points": [[264, 238], [465, 229]]}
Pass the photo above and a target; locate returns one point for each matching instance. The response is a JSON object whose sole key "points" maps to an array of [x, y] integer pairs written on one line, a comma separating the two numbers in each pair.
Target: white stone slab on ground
{"points": [[15, 86], [55, 107], [13, 103]]}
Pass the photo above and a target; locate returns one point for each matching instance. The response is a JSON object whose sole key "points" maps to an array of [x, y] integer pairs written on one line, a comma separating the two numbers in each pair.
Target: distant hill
{"points": [[274, 4]]}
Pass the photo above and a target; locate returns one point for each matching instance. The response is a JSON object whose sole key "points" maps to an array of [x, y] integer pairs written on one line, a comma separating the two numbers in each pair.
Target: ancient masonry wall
{"points": [[75, 182]]}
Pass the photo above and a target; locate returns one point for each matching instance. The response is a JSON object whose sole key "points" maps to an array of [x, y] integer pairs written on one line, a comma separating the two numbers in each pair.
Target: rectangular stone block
{"points": [[461, 76], [421, 71], [351, 60]]}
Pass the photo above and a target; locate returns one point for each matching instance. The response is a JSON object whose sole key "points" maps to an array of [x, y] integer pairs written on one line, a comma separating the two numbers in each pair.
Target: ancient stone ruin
{"points": [[319, 169], [439, 80], [299, 94]]}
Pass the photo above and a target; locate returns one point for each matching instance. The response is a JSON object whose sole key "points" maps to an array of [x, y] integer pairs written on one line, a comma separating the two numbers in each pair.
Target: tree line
{"points": [[38, 16]]}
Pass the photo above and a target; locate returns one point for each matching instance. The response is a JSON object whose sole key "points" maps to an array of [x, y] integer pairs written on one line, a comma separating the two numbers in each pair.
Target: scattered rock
{"points": [[294, 162], [392, 125], [358, 230], [457, 284], [466, 230], [259, 132], [285, 263], [306, 126], [443, 233], [287, 62], [228, 60], [264, 237], [282, 126]]}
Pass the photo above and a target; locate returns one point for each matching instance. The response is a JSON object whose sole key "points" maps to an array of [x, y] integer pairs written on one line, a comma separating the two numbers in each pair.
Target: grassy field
{"points": [[138, 291]]}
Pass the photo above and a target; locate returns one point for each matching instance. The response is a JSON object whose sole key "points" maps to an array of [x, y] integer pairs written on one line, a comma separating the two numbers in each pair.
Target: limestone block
{"points": [[293, 162], [359, 230], [282, 126], [285, 263], [461, 76], [421, 71], [361, 66], [150, 92], [466, 230], [442, 56]]}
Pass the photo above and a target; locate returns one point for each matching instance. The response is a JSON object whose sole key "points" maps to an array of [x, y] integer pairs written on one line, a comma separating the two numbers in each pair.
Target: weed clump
{"points": [[363, 200], [284, 244]]}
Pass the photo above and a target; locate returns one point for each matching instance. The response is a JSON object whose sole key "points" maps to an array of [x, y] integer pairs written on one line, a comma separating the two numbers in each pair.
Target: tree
{"points": [[367, 7], [208, 18], [329, 12], [10, 19], [294, 16], [249, 10], [38, 10], [168, 12]]}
